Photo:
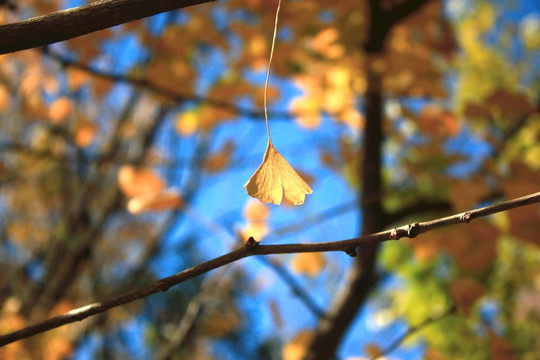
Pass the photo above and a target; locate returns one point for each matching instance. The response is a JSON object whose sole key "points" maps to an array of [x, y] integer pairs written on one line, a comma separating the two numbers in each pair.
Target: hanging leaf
{"points": [[275, 178]]}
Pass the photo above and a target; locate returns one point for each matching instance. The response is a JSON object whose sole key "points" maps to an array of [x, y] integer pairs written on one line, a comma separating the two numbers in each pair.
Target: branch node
{"points": [[412, 230], [465, 217], [351, 252], [162, 286], [251, 243], [394, 234]]}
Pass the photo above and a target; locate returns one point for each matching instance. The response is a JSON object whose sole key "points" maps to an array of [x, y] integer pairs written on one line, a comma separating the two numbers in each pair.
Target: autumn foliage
{"points": [[123, 156]]}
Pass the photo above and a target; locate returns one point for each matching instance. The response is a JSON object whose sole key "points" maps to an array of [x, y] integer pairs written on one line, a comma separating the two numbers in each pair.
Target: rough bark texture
{"points": [[67, 24]]}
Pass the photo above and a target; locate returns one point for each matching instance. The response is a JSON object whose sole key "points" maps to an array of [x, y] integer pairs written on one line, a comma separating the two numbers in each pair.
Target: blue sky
{"points": [[224, 195]]}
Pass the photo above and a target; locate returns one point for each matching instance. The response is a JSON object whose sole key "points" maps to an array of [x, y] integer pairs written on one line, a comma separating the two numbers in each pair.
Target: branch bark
{"points": [[67, 24], [409, 231]]}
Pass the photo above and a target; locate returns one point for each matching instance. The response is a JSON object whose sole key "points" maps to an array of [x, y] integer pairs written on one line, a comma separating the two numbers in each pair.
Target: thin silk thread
{"points": [[268, 72]]}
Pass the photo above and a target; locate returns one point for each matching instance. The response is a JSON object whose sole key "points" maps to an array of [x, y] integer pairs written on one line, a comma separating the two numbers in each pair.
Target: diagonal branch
{"points": [[173, 95], [411, 331], [67, 24], [252, 248]]}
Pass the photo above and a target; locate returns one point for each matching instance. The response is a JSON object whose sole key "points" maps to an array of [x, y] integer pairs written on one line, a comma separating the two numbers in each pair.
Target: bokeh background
{"points": [[123, 156]]}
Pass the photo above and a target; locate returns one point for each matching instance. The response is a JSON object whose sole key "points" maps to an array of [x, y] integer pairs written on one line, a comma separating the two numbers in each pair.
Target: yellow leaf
{"points": [[296, 348], [275, 178], [187, 123]]}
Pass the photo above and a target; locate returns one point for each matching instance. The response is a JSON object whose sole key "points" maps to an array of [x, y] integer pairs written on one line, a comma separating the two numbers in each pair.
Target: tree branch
{"points": [[67, 24], [164, 284], [173, 95]]}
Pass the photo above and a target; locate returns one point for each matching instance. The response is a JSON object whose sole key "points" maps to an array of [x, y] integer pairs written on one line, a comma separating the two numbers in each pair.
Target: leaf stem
{"points": [[268, 72]]}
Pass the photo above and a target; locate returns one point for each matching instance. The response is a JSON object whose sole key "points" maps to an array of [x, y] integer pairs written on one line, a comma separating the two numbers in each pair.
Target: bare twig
{"points": [[295, 287], [164, 284], [67, 24], [412, 330], [173, 95]]}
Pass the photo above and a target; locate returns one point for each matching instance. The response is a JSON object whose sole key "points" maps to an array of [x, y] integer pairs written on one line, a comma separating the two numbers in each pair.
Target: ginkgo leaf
{"points": [[275, 178]]}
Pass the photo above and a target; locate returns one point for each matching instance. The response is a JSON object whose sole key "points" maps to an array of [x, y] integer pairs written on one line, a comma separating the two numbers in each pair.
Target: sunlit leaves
{"points": [[275, 178], [134, 182], [85, 133], [187, 122], [155, 201], [438, 122], [146, 191]]}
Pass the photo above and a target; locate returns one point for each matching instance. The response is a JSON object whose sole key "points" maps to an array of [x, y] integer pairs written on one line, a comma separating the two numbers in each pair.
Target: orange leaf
{"points": [[134, 182], [155, 201], [308, 263], [59, 110], [85, 133], [4, 98]]}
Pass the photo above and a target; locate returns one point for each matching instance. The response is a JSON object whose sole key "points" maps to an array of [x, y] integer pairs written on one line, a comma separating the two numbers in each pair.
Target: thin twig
{"points": [[164, 284], [173, 95], [411, 331]]}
